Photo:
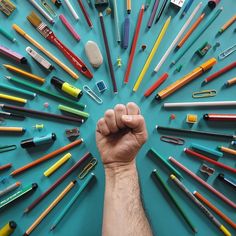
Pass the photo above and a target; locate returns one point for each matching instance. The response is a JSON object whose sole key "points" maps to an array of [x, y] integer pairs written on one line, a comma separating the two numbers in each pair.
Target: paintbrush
{"points": [[47, 33], [101, 5]]}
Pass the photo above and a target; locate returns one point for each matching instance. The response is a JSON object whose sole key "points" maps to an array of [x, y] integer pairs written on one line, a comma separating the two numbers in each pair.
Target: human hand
{"points": [[120, 134]]}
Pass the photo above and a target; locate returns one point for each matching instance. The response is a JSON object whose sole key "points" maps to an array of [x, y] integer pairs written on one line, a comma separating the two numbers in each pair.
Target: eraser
{"points": [[94, 54]]}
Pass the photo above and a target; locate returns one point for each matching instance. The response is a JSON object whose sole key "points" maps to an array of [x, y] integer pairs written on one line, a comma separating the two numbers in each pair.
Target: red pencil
{"points": [[220, 72], [85, 14], [4, 167], [134, 44], [205, 158], [156, 84]]}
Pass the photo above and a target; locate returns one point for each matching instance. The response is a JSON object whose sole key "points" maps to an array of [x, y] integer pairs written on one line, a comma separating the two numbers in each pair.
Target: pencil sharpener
{"points": [[202, 51], [177, 3], [101, 86]]}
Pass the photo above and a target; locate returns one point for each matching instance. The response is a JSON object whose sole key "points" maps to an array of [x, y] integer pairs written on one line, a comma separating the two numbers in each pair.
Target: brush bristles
{"points": [[34, 19]]}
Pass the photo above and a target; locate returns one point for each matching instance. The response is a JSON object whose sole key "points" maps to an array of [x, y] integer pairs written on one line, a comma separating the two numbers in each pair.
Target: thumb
{"points": [[135, 122]]}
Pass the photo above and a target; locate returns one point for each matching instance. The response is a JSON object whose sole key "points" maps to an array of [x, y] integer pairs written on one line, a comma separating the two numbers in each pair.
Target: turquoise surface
{"points": [[86, 216]]}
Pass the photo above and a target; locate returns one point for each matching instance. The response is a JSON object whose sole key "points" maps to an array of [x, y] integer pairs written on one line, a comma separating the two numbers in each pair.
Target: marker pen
{"points": [[66, 87], [36, 141], [13, 55]]}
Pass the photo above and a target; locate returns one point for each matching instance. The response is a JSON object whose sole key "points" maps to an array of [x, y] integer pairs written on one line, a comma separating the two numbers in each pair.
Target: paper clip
{"points": [[87, 168], [207, 170], [204, 94], [227, 52], [7, 148], [173, 140], [48, 8], [92, 94]]}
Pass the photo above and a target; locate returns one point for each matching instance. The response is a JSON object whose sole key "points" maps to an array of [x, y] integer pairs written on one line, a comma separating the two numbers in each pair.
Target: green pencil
{"points": [[181, 211], [73, 111], [194, 39], [166, 163], [47, 93]]}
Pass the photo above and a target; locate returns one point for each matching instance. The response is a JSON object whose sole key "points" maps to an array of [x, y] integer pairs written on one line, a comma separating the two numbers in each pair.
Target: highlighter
{"points": [[8, 229], [36, 141], [66, 87]]}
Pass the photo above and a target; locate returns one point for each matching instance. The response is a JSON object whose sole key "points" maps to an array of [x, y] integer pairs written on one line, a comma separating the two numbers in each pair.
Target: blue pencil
{"points": [[188, 5]]}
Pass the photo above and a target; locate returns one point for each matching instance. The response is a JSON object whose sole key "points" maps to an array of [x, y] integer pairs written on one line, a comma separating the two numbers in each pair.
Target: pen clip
{"points": [[48, 8], [92, 94], [87, 168]]}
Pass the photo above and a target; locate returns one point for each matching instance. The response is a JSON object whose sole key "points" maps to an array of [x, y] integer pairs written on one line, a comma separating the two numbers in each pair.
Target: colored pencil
{"points": [[57, 182], [202, 182], [227, 150], [207, 159], [220, 72], [73, 111], [174, 42], [188, 131], [13, 98], [46, 157], [113, 79], [176, 203], [134, 45], [198, 34], [126, 32], [231, 82], [44, 115], [215, 209], [200, 206], [128, 6], [35, 78], [54, 203], [10, 188], [166, 163], [116, 20], [191, 30], [163, 6], [152, 54], [71, 202], [199, 104], [160, 80], [152, 16], [5, 167], [227, 24], [45, 51], [85, 13], [47, 93], [188, 5], [18, 90], [12, 129]]}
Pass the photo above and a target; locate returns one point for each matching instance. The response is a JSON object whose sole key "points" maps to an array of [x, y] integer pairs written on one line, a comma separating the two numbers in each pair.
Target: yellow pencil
{"points": [[25, 73], [57, 165], [152, 54], [13, 98], [42, 49]]}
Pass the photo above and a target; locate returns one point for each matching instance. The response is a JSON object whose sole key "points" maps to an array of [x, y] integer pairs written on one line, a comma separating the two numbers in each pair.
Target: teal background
{"points": [[86, 216]]}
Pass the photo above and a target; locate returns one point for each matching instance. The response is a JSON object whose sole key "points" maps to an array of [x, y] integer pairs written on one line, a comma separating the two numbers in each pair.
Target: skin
{"points": [[119, 135]]}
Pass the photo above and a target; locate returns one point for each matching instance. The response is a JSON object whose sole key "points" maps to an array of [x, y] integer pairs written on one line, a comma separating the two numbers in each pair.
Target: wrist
{"points": [[117, 168]]}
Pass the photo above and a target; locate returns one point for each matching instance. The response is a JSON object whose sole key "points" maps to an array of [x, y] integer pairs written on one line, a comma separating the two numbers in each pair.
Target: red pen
{"points": [[220, 72], [134, 44], [90, 24], [156, 84]]}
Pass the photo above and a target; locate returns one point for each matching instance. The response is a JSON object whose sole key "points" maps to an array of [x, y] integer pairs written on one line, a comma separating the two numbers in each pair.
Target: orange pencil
{"points": [[215, 209], [227, 24], [12, 129], [190, 31], [228, 150], [47, 157], [231, 82]]}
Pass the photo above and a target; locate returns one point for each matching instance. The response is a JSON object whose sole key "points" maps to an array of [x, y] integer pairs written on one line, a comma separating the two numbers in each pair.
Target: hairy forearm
{"points": [[123, 211]]}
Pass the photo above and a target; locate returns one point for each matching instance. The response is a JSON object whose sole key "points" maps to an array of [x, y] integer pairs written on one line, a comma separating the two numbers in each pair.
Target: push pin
{"points": [[46, 105], [38, 126], [172, 116], [191, 118], [108, 11], [144, 46], [119, 62]]}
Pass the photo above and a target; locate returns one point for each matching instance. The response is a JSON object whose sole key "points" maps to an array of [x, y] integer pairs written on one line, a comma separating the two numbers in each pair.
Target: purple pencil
{"points": [[152, 16]]}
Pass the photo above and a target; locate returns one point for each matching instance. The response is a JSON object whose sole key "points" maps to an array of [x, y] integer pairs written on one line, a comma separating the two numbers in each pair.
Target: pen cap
{"points": [[212, 3], [208, 64], [57, 82]]}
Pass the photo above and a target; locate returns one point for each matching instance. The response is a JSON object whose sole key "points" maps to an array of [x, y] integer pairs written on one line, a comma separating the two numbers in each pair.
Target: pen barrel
{"points": [[220, 117], [88, 20], [12, 129], [75, 61]]}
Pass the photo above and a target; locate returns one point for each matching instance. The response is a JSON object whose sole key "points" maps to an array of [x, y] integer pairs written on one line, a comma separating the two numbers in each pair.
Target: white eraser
{"points": [[94, 54]]}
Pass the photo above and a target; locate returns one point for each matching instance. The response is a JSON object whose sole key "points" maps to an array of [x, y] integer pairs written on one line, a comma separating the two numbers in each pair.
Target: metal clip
{"points": [[204, 94], [7, 148], [207, 170], [87, 168], [92, 94], [227, 52], [48, 8], [173, 140]]}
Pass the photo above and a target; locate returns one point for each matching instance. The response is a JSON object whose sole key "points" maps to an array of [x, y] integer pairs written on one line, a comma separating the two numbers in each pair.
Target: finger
{"points": [[102, 127], [120, 110], [132, 109], [111, 121]]}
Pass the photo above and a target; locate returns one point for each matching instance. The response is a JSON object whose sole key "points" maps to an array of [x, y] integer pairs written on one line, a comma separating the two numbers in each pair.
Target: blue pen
{"points": [[126, 32], [188, 5]]}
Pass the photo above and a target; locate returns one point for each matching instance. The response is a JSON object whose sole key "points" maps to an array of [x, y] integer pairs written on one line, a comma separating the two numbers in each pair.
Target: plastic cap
{"points": [[209, 64]]}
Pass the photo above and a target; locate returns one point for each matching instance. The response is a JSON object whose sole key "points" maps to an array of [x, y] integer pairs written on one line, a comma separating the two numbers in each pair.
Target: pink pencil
{"points": [[70, 28], [205, 184]]}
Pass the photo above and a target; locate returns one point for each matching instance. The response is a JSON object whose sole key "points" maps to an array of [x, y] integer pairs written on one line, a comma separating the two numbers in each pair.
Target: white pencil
{"points": [[173, 45], [199, 104], [71, 9]]}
